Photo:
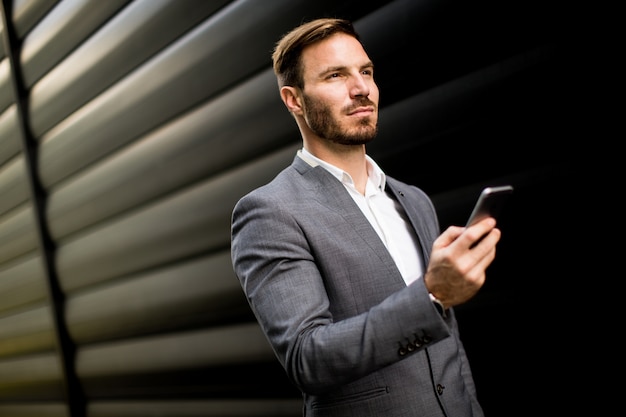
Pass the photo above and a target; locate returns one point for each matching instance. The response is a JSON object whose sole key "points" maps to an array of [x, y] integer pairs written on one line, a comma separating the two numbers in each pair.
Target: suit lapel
{"points": [[331, 193], [411, 207]]}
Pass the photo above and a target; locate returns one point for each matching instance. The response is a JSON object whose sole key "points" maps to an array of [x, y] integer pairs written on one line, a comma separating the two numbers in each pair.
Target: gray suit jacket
{"points": [[350, 334]]}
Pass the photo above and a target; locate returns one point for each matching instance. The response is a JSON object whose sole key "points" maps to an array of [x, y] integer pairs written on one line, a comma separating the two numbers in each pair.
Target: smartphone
{"points": [[489, 203]]}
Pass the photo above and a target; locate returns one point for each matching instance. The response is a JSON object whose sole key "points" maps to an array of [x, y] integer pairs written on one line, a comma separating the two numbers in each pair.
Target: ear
{"points": [[291, 98]]}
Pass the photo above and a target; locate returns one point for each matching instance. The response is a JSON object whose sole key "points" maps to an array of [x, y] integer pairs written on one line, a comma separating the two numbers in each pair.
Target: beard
{"points": [[321, 121]]}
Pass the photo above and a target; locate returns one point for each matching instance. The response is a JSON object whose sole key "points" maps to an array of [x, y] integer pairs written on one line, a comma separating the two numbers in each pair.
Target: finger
{"points": [[475, 233], [485, 251], [448, 236]]}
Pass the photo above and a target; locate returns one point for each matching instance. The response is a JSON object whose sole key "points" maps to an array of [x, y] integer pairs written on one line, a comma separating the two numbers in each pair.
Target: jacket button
{"points": [[402, 351], [440, 389]]}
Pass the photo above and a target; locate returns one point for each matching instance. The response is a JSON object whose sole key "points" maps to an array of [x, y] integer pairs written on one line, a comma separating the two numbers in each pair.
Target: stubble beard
{"points": [[321, 121]]}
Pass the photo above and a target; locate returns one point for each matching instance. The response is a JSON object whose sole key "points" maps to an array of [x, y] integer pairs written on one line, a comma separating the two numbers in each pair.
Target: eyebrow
{"points": [[368, 64]]}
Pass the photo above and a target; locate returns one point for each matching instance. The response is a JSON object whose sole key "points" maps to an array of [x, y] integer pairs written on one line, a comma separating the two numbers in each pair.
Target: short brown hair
{"points": [[288, 50]]}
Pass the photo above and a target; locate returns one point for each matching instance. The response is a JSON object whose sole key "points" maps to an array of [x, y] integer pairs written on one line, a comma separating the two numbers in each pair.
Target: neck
{"points": [[350, 158]]}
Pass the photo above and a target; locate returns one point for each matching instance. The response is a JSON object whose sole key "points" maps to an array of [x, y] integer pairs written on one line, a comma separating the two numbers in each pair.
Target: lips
{"points": [[368, 110]]}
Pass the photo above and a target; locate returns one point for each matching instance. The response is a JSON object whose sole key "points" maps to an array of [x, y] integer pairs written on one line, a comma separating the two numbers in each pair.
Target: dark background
{"points": [[128, 130]]}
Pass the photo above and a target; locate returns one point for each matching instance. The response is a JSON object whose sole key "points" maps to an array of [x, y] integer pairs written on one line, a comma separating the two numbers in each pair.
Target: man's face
{"points": [[340, 97]]}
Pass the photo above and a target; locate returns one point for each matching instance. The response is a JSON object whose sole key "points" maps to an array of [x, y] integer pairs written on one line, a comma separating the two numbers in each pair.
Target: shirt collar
{"points": [[374, 173]]}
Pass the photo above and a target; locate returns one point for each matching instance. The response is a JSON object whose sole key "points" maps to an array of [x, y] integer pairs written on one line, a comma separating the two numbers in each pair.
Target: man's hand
{"points": [[459, 259]]}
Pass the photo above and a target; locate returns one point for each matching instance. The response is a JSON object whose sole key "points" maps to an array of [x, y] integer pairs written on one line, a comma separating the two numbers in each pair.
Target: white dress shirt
{"points": [[384, 214]]}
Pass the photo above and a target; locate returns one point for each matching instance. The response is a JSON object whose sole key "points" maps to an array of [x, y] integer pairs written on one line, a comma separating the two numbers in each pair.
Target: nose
{"points": [[360, 87]]}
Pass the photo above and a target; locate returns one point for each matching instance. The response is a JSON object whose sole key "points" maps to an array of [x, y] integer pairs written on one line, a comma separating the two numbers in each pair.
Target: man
{"points": [[345, 268]]}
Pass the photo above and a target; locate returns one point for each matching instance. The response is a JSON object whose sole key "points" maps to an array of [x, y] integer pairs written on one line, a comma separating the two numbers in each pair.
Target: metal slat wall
{"points": [[150, 118]]}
